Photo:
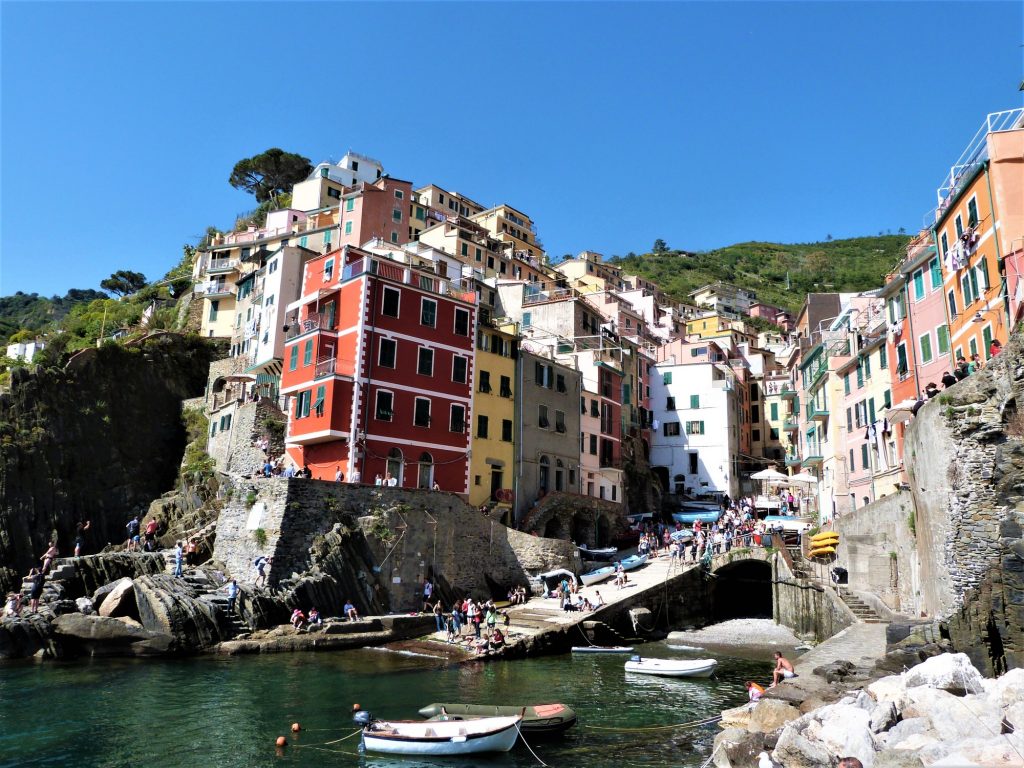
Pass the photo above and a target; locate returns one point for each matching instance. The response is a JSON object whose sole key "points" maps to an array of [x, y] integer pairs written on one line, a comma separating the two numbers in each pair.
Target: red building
{"points": [[379, 368]]}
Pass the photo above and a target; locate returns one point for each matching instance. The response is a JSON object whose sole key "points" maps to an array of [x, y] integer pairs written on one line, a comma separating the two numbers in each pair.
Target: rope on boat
{"points": [[535, 756], [691, 724], [322, 747]]}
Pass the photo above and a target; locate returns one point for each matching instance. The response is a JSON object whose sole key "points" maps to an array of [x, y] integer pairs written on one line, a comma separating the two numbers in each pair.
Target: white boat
{"points": [[789, 523], [635, 561], [442, 737], [672, 667], [602, 649], [595, 577], [604, 553]]}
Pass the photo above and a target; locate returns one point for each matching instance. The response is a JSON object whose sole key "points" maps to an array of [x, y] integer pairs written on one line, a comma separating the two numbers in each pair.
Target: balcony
{"points": [[790, 424], [816, 412], [813, 455], [325, 367], [216, 290], [221, 266], [787, 392], [316, 321], [792, 460], [402, 273]]}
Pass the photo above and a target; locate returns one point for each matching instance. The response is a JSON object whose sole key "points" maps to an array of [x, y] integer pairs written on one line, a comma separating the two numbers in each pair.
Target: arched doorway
{"points": [[742, 589], [554, 529], [425, 477], [396, 463], [544, 475]]}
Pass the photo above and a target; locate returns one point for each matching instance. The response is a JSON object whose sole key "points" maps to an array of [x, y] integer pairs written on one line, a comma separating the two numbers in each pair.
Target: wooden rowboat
{"points": [[442, 737], [595, 577], [538, 719]]}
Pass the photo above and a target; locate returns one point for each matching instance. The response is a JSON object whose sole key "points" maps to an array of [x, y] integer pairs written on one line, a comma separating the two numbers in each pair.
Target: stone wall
{"points": [[966, 464], [97, 441], [807, 608], [878, 547], [376, 545]]}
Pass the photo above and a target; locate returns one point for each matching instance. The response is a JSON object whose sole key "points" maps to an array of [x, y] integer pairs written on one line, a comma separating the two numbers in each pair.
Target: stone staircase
{"points": [[864, 612], [806, 571]]}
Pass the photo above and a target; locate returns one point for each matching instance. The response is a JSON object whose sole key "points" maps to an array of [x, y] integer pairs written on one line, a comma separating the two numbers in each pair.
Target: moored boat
{"points": [[442, 737], [602, 649], [538, 719], [690, 516], [602, 554], [789, 523], [634, 561], [672, 667], [595, 577]]}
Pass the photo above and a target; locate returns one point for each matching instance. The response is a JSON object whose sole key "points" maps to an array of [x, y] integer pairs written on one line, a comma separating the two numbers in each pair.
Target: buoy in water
{"points": [[282, 741], [296, 727]]}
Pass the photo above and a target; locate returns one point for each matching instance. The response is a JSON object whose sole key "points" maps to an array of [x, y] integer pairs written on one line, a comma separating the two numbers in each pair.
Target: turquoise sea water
{"points": [[219, 712]]}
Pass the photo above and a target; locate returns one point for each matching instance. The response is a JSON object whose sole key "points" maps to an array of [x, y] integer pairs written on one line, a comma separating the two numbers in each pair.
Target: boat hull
{"points": [[600, 555], [689, 517], [673, 667], [447, 738], [602, 649], [538, 719], [596, 577], [630, 563]]}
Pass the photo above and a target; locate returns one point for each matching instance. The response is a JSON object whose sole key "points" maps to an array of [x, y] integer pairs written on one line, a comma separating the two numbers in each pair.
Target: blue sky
{"points": [[610, 124]]}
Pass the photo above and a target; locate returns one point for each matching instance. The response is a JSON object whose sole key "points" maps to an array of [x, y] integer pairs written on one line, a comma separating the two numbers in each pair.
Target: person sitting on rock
{"points": [[754, 691], [496, 640], [298, 619], [350, 611], [13, 606], [314, 617], [783, 669]]}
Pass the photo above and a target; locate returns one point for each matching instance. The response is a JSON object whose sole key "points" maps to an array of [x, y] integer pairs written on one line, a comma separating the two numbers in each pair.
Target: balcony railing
{"points": [[816, 412], [402, 273], [541, 297], [813, 454], [790, 424], [325, 367], [221, 265], [316, 321], [792, 460]]}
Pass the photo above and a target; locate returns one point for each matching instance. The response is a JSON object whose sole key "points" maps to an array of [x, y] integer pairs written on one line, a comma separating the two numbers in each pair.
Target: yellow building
{"points": [[512, 226], [492, 463]]}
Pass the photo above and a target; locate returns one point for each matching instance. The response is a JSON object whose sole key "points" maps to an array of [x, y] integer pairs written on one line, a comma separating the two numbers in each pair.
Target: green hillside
{"points": [[856, 264], [32, 312]]}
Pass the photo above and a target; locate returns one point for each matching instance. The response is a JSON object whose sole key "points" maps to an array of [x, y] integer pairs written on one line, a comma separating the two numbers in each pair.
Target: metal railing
{"points": [[325, 367], [402, 273], [316, 321]]}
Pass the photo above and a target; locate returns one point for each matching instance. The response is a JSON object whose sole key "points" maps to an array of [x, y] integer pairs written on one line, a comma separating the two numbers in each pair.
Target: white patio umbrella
{"points": [[770, 475], [902, 411], [804, 478]]}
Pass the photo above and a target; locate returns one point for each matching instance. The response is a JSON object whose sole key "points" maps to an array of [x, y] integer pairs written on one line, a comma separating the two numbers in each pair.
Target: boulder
{"points": [[951, 672], [736, 718], [883, 716], [120, 600], [1014, 715], [981, 751], [845, 730], [890, 688], [84, 605], [954, 717], [794, 750], [897, 759], [25, 636], [169, 606], [903, 730], [1008, 689], [736, 746], [105, 636], [770, 715]]}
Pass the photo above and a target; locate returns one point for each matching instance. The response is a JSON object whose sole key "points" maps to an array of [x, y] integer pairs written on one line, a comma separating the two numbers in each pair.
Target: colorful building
{"points": [[379, 370], [980, 211], [493, 461]]}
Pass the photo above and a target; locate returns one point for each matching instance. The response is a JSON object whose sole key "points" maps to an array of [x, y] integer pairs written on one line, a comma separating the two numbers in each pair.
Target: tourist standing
{"points": [[132, 544], [150, 534], [261, 564], [36, 590], [355, 477], [179, 555], [439, 616], [232, 595], [49, 556], [80, 530], [339, 476]]}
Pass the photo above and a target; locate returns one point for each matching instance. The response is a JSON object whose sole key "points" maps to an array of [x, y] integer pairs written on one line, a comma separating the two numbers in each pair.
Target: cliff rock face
{"points": [[96, 441], [965, 450]]}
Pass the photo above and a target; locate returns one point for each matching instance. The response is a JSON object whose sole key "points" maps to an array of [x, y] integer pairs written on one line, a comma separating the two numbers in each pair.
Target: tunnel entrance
{"points": [[742, 590]]}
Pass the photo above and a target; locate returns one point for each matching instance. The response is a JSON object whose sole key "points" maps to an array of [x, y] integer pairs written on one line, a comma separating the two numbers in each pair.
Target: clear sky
{"points": [[610, 124]]}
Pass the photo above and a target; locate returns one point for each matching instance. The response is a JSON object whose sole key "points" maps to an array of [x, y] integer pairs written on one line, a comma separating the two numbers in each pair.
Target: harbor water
{"points": [[212, 711]]}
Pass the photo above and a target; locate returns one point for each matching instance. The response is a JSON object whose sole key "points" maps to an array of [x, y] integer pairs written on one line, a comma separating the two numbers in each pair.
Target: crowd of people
{"points": [[961, 371]]}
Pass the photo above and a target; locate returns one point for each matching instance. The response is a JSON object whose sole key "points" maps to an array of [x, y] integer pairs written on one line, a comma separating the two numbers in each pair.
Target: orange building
{"points": [[978, 217]]}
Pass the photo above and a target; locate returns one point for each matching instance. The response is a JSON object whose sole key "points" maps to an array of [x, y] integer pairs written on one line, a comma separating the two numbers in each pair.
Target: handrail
{"points": [[780, 544]]}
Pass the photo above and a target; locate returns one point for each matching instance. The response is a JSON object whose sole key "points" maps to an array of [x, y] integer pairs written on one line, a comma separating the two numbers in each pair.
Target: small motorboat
{"points": [[538, 719], [672, 667], [635, 561], [595, 577], [604, 554], [442, 737], [602, 649], [789, 523]]}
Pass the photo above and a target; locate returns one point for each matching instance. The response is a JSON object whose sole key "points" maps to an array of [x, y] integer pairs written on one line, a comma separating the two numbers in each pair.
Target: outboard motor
{"points": [[361, 717]]}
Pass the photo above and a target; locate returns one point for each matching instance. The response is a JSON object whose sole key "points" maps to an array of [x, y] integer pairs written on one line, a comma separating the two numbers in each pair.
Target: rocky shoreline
{"points": [[919, 705]]}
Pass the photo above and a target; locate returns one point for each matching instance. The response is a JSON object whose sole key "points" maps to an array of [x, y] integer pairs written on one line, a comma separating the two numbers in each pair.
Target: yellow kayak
{"points": [[822, 551]]}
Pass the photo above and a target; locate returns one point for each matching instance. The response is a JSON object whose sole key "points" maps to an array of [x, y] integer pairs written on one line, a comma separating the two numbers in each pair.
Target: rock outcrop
{"points": [[169, 606], [96, 441]]}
